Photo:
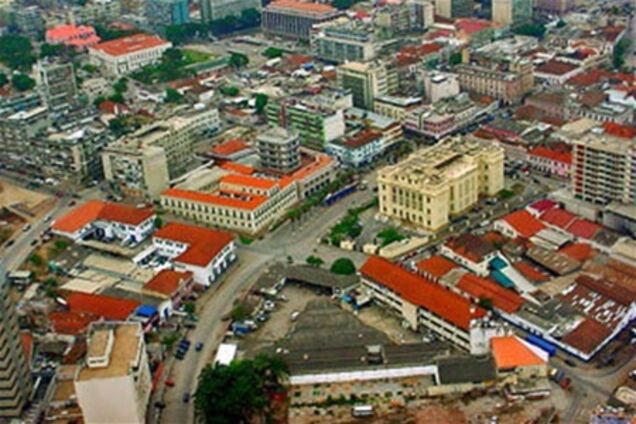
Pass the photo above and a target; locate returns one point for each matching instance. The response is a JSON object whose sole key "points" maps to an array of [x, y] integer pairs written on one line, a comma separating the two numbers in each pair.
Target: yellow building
{"points": [[440, 181]]}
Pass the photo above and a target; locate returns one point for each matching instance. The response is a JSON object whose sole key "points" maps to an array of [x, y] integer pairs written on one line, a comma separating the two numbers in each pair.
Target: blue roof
{"points": [[146, 311], [502, 279], [498, 263]]}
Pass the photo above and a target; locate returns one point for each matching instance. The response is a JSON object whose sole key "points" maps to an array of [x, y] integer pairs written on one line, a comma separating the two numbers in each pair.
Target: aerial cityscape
{"points": [[318, 211]]}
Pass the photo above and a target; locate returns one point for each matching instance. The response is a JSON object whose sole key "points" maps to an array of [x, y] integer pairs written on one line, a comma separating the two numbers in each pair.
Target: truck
{"points": [[549, 348]]}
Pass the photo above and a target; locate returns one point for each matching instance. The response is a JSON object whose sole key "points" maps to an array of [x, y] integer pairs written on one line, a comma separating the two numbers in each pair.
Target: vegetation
{"points": [[173, 96], [390, 235], [50, 50], [229, 90], [561, 23], [171, 67], [485, 303], [246, 240], [343, 266], [3, 80], [532, 30], [240, 312], [314, 261], [348, 227], [195, 56], [455, 59], [189, 308], [118, 126], [36, 260], [260, 102], [169, 340], [121, 86], [179, 34], [344, 4], [91, 69], [506, 194], [238, 392], [238, 60], [107, 33], [22, 82], [16, 52], [618, 60], [273, 52]]}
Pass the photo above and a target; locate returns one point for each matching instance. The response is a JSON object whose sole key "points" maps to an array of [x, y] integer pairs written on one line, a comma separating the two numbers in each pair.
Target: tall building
{"points": [[294, 19], [560, 7], [15, 379], [57, 84], [114, 384], [604, 169], [440, 181], [278, 149], [422, 13], [452, 9], [343, 40], [212, 10], [28, 20], [127, 54], [162, 13], [366, 81], [508, 84], [511, 12], [439, 85]]}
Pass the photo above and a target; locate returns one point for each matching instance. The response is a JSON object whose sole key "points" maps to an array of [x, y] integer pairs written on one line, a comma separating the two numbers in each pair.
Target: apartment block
{"points": [[114, 384], [279, 150], [57, 84], [511, 12], [604, 169], [15, 378], [294, 19], [440, 181], [452, 9], [141, 164], [343, 40], [508, 83], [366, 81], [161, 13], [218, 9], [439, 85], [127, 54], [560, 7], [422, 13], [396, 107]]}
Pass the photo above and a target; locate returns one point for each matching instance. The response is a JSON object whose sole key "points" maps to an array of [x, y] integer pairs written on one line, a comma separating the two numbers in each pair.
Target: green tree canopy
{"points": [[50, 50], [314, 261], [455, 59], [260, 102], [173, 96], [16, 52], [229, 90], [121, 86], [3, 80], [22, 82], [239, 60], [272, 52], [343, 266], [533, 30]]}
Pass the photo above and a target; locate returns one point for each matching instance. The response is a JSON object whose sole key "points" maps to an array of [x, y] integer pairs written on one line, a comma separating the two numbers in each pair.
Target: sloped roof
{"points": [[203, 244], [512, 352], [483, 288], [167, 281], [107, 307], [94, 210], [524, 223], [436, 265], [558, 217]]}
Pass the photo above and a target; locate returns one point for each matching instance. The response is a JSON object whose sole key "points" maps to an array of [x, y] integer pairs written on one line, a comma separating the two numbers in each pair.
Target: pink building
{"points": [[79, 37]]}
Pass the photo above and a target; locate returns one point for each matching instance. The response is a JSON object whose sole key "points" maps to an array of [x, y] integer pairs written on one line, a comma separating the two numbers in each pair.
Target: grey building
{"points": [[278, 149], [212, 10], [28, 20], [294, 19], [161, 13], [57, 84], [452, 9]]}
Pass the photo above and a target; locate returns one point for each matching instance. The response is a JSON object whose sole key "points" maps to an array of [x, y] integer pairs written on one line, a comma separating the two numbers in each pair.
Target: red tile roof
{"points": [[203, 244], [578, 251], [237, 167], [543, 205], [130, 44], [107, 307], [584, 229], [222, 198], [422, 292], [512, 352], [229, 147], [587, 336], [524, 223], [555, 67], [558, 217], [617, 130], [554, 155], [530, 272], [436, 265], [249, 181], [94, 210], [471, 26], [484, 288], [303, 6], [167, 281], [362, 138], [68, 322]]}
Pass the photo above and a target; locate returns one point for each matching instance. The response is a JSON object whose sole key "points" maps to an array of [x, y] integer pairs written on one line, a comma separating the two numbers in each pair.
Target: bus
{"points": [[21, 278], [362, 411]]}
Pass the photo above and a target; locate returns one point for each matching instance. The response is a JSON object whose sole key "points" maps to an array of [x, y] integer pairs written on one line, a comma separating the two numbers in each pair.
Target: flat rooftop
{"points": [[123, 355]]}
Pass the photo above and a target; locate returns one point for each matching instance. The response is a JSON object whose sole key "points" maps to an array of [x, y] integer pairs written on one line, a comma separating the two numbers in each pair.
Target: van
{"points": [[294, 315], [362, 411]]}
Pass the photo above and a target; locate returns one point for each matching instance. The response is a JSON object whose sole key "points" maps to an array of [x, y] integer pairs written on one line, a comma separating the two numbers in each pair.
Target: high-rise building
{"points": [[162, 13], [57, 84], [440, 181], [366, 81], [15, 379], [511, 12], [114, 384], [555, 6], [422, 13], [508, 83], [452, 9], [278, 149], [212, 10], [294, 19], [343, 40], [28, 20]]}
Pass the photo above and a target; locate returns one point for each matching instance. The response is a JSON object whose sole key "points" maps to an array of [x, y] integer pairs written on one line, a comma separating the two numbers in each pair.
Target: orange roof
{"points": [[483, 288], [558, 217], [221, 198], [524, 223], [229, 147], [249, 181], [422, 292], [584, 229], [531, 272], [578, 251], [111, 308], [67, 322], [554, 155], [94, 210], [27, 343], [203, 244], [167, 281], [555, 67], [130, 44], [436, 265], [320, 161], [587, 335], [237, 167], [302, 6], [512, 352], [617, 130]]}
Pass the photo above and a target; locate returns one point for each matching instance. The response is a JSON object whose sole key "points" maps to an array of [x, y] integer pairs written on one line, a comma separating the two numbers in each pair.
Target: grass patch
{"points": [[506, 194], [246, 240], [390, 235], [195, 56]]}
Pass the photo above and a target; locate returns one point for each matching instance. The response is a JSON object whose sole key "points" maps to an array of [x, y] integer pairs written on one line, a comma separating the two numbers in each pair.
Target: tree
{"points": [[532, 30], [618, 60], [98, 100], [158, 222], [116, 98], [117, 126], [561, 23], [240, 312], [389, 235], [250, 18], [50, 50], [260, 102], [455, 59], [3, 80], [16, 52], [22, 82], [272, 52], [173, 96], [239, 60], [314, 261], [229, 90], [189, 308], [36, 260], [343, 266], [121, 86]]}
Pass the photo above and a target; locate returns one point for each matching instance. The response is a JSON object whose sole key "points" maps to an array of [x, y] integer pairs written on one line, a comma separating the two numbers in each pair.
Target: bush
{"points": [[272, 52], [314, 261], [240, 312], [229, 90], [343, 266], [390, 235], [22, 82], [36, 260]]}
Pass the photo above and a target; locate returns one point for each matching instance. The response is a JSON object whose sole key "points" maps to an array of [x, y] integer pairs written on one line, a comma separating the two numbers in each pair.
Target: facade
{"points": [[115, 383], [604, 169], [511, 12], [201, 251], [553, 162], [28, 21], [357, 150], [508, 85], [422, 13], [366, 81], [97, 11], [294, 19], [142, 163], [80, 36], [212, 10], [127, 54], [162, 13], [279, 150], [395, 107], [342, 40], [440, 181], [559, 7], [57, 84], [452, 9], [440, 85], [15, 378], [394, 18]]}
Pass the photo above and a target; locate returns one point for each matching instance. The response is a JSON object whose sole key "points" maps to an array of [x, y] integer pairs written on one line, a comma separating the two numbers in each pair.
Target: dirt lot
{"points": [[25, 202], [381, 320], [10, 223]]}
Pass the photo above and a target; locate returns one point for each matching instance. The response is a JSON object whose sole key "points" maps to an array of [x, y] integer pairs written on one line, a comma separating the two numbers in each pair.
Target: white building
{"points": [[204, 252], [115, 383], [127, 54]]}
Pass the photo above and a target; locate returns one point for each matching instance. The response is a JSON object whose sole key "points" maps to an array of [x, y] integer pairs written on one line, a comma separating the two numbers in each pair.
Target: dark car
{"points": [[570, 362], [199, 346], [10, 243], [186, 397]]}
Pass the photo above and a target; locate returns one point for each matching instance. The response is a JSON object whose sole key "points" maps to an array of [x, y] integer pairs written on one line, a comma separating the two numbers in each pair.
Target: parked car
{"points": [[199, 346], [169, 383], [186, 397], [570, 362], [565, 383]]}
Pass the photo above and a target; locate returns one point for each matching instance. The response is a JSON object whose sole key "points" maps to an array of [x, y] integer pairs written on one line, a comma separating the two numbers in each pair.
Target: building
{"points": [[114, 384], [391, 129], [142, 163], [395, 107], [15, 377], [508, 83], [28, 20], [557, 72], [551, 161], [394, 18], [162, 13], [294, 19], [519, 224], [560, 7], [94, 12], [77, 36], [127, 54], [57, 84], [440, 181], [357, 150], [342, 40], [279, 150], [452, 9], [440, 85], [604, 169], [366, 81], [422, 13], [107, 221], [212, 10], [518, 360], [470, 251], [204, 252], [511, 12]]}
